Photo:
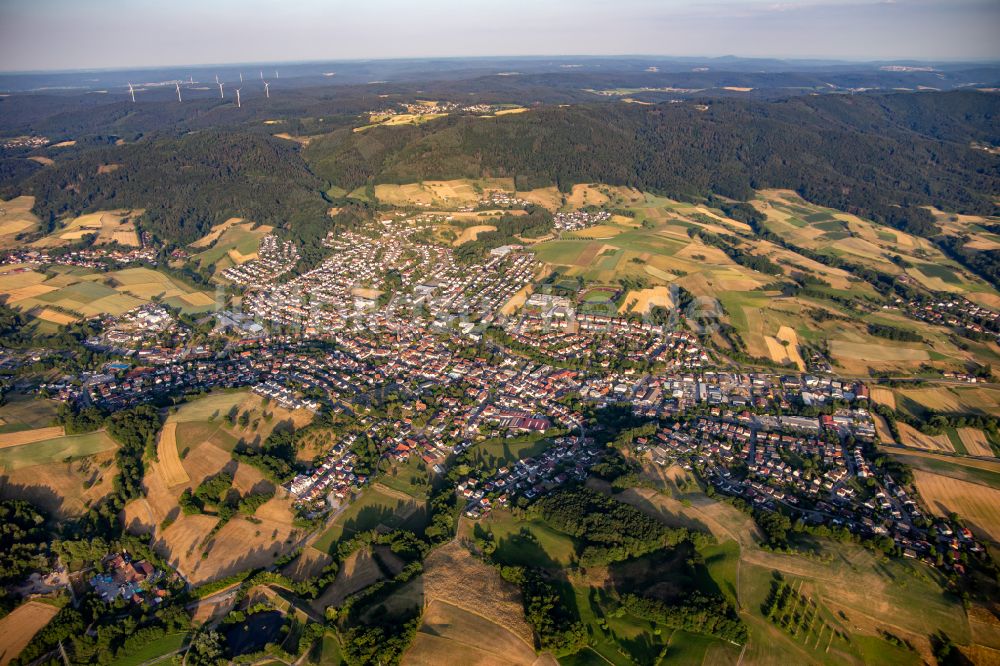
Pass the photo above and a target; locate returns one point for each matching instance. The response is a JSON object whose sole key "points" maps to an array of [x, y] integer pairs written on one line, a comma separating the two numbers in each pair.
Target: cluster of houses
{"points": [[141, 326], [135, 581], [284, 396], [567, 459], [501, 199], [348, 289], [600, 340], [27, 141], [94, 258], [274, 259], [956, 312], [664, 395], [579, 219], [815, 469], [330, 482]]}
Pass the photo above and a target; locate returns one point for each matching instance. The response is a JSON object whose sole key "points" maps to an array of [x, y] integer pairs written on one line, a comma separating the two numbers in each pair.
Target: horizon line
{"points": [[271, 63]]}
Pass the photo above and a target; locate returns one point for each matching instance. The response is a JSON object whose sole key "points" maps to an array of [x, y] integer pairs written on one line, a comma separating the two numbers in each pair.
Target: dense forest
{"points": [[185, 184], [864, 154]]}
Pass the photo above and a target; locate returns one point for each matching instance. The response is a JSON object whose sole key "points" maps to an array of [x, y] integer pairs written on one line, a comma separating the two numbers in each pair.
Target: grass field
{"points": [[232, 242], [504, 451], [54, 450], [371, 509], [901, 596], [866, 242], [411, 477], [208, 408], [547, 547], [157, 648]]}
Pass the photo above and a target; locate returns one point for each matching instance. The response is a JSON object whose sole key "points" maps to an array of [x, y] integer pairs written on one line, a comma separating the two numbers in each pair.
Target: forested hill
{"points": [[867, 154], [186, 184], [880, 155]]}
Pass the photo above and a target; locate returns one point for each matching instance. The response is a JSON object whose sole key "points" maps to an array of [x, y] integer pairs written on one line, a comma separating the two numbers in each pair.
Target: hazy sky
{"points": [[73, 34]]}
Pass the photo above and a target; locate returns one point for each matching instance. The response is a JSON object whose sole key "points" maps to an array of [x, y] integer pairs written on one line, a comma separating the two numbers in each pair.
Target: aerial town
{"points": [[801, 441]]}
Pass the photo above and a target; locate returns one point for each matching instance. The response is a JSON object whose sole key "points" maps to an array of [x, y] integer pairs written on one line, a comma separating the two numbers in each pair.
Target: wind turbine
{"points": [[190, 79], [261, 75], [131, 91], [222, 95], [238, 98], [275, 73], [241, 77], [267, 94], [178, 86]]}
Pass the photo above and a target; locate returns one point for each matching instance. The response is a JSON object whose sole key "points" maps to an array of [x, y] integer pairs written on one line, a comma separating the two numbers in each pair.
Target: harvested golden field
{"points": [[960, 461], [301, 140], [307, 565], [358, 571], [444, 194], [883, 396], [596, 232], [453, 635], [981, 655], [987, 299], [697, 251], [784, 347], [239, 258], [786, 334], [882, 429], [975, 441], [938, 398], [198, 298], [874, 353], [914, 438], [107, 226], [63, 489], [453, 575], [170, 462], [472, 233], [18, 628], [54, 316], [16, 218], [644, 300], [239, 545], [507, 112], [978, 505], [957, 399], [588, 195], [217, 230], [517, 300], [23, 293], [30, 436], [547, 197]]}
